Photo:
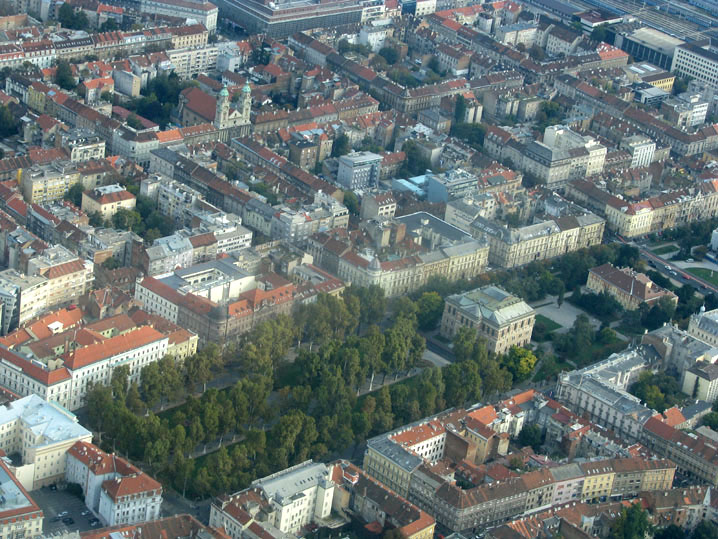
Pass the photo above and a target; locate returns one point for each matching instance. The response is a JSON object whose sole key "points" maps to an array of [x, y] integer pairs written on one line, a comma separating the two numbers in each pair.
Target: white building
{"points": [[66, 379], [285, 502], [641, 149], [359, 170], [192, 61], [696, 62], [41, 433], [114, 489]]}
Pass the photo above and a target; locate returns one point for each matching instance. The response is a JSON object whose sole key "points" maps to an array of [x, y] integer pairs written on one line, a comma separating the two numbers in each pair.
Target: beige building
{"points": [[381, 206], [503, 319], [628, 287], [511, 247], [82, 145], [107, 199], [701, 381], [43, 184], [704, 326], [20, 516], [23, 297], [41, 433]]}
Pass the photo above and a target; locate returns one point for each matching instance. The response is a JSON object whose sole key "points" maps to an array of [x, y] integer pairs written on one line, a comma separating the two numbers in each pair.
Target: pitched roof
{"points": [[111, 347]]}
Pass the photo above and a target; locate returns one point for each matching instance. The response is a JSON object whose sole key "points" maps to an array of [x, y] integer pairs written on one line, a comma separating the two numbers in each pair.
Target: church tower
{"points": [[221, 115], [246, 104]]}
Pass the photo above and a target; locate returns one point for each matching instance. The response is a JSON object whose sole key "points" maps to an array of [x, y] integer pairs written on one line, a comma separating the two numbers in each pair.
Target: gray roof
{"points": [[415, 221], [288, 484], [492, 304], [566, 472], [395, 453]]}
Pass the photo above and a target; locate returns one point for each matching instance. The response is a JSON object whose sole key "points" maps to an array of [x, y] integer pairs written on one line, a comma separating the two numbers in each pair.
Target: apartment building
{"points": [[81, 145], [115, 490], [641, 148], [694, 454], [41, 433], [44, 184], [191, 61], [359, 170], [107, 200], [691, 60], [381, 206], [503, 319], [20, 516], [511, 247], [629, 288], [23, 297]]}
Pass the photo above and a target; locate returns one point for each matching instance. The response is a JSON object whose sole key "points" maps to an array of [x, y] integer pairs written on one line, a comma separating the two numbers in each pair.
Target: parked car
{"points": [[86, 512], [68, 520], [63, 514]]}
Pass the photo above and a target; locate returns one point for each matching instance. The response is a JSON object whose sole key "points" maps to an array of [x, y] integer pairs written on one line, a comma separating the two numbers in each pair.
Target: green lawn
{"points": [[705, 274], [549, 324], [664, 249]]}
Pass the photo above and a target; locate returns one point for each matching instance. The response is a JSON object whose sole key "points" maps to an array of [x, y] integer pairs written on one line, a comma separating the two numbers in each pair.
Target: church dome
{"points": [[224, 92], [246, 89]]}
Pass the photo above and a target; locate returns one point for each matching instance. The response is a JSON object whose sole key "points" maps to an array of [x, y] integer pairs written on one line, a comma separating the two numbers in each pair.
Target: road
{"points": [[673, 271]]}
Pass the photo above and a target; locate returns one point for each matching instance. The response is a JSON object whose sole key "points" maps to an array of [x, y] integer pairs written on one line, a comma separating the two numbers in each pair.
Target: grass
{"points": [[549, 324], [705, 274], [664, 249]]}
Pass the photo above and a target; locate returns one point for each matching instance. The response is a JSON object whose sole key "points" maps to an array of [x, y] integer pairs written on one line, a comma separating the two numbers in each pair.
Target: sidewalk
{"points": [[564, 315]]}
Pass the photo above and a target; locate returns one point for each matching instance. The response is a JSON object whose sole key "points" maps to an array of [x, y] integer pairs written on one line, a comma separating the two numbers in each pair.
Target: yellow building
{"points": [[629, 288], [43, 184], [598, 482]]}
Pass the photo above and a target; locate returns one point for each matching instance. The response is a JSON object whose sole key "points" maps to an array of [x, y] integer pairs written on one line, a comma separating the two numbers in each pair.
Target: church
{"points": [[231, 119]]}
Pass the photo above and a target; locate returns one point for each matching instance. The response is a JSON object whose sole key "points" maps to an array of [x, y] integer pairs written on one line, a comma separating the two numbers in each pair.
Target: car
{"points": [[63, 514], [56, 519], [86, 512], [674, 273], [667, 267], [68, 520], [690, 260], [53, 487], [94, 522]]}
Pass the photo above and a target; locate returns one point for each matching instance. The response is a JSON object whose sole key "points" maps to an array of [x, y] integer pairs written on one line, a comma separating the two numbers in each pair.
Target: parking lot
{"points": [[54, 502]]}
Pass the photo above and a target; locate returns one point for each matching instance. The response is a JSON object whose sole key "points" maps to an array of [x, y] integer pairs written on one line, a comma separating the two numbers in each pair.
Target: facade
{"points": [[690, 60], [704, 326], [23, 297], [600, 391], [446, 250], [381, 206], [107, 199], [41, 185], [642, 150], [203, 12], [629, 288], [113, 488], [502, 318], [511, 247], [42, 433], [82, 145], [359, 170], [695, 455]]}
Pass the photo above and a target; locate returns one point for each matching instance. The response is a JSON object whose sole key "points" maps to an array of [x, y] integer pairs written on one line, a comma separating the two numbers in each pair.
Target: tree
{"points": [[351, 202], [531, 435], [415, 163], [433, 64], [124, 219], [460, 109], [520, 362], [600, 33], [71, 19], [341, 146], [134, 121], [8, 123], [537, 53], [63, 75], [633, 523], [670, 532], [705, 530], [390, 54], [74, 194], [430, 308], [110, 25], [95, 219]]}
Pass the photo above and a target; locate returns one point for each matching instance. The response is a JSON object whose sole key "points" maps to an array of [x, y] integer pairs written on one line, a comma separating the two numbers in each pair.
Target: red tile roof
{"points": [[111, 347]]}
